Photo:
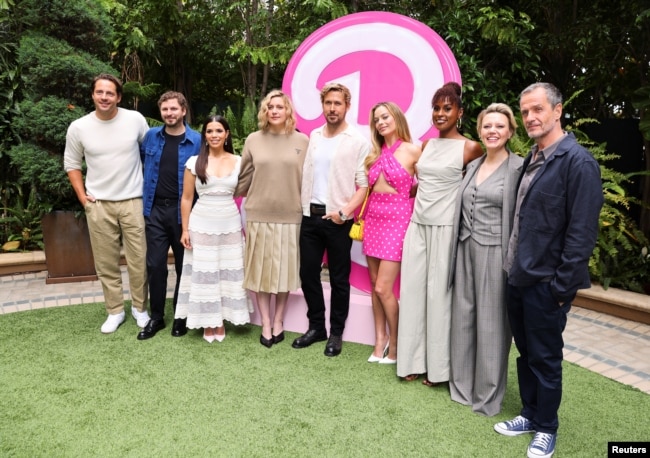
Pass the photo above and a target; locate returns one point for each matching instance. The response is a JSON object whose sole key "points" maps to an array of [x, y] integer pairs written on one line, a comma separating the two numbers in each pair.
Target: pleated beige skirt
{"points": [[272, 258]]}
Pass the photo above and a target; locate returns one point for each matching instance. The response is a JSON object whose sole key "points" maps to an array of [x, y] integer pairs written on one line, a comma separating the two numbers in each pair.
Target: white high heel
{"points": [[219, 337], [377, 359], [208, 339]]}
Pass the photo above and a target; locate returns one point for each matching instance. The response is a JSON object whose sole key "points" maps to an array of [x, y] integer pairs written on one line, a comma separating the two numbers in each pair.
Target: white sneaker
{"points": [[113, 322], [142, 318]]}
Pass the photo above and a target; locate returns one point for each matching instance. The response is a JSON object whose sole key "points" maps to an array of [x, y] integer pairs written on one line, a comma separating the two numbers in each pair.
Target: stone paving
{"points": [[611, 346]]}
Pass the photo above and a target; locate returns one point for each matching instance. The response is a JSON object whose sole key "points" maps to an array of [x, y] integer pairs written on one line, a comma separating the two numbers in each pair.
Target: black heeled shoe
{"points": [[277, 339], [268, 343]]}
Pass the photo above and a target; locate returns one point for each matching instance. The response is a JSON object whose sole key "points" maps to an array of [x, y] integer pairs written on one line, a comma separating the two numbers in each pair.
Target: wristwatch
{"points": [[343, 216]]}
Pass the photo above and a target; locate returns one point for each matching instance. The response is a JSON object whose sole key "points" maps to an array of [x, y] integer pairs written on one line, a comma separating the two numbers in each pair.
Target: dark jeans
{"points": [[316, 236], [163, 230], [537, 323]]}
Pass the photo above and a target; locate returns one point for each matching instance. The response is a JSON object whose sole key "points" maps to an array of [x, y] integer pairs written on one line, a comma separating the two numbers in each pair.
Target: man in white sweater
{"points": [[108, 140]]}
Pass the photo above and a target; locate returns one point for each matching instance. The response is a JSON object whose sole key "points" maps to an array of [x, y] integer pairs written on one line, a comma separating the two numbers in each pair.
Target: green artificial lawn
{"points": [[68, 390]]}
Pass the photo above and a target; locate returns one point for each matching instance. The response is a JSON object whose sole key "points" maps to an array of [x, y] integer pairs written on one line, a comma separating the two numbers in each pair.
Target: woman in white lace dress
{"points": [[211, 288]]}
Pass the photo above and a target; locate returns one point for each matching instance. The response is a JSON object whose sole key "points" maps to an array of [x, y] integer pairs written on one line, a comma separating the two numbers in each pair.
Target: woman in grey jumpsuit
{"points": [[480, 334]]}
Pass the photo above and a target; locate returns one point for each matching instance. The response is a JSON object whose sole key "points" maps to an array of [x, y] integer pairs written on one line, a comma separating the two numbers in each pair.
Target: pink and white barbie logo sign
{"points": [[379, 57]]}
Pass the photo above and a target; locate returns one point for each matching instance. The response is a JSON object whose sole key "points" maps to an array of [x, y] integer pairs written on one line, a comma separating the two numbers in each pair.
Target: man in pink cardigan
{"points": [[334, 184]]}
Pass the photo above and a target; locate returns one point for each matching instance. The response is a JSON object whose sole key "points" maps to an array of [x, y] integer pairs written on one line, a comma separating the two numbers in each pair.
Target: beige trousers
{"points": [[425, 303], [112, 224]]}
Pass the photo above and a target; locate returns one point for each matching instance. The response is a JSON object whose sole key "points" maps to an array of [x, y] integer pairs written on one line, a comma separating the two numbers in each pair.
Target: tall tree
{"points": [[272, 31]]}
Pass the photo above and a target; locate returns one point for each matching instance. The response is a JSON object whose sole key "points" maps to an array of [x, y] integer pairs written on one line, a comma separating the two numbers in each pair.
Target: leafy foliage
{"points": [[83, 24], [46, 121], [618, 259], [9, 77], [134, 90], [43, 171], [241, 127], [8, 84], [22, 222], [63, 70], [494, 48]]}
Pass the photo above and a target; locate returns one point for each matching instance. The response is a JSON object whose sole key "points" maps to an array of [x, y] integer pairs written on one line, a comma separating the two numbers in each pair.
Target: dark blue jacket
{"points": [[150, 152], [558, 222]]}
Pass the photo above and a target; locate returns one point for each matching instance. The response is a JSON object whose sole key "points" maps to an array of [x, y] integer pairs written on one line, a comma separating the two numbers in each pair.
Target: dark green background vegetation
{"points": [[226, 54]]}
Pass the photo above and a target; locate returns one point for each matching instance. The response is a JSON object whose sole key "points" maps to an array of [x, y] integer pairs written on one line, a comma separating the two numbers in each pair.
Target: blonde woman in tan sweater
{"points": [[270, 179]]}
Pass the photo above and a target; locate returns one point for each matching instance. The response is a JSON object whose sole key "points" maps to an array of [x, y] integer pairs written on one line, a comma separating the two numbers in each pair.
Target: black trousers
{"points": [[163, 231], [537, 322], [316, 236]]}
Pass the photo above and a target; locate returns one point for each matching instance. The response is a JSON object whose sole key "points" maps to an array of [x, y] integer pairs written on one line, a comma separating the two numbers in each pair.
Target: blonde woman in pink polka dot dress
{"points": [[391, 169]]}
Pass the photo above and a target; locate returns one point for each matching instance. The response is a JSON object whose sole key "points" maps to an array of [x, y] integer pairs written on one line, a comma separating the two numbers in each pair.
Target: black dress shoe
{"points": [[333, 347], [179, 328], [279, 338], [150, 330], [268, 343], [308, 338]]}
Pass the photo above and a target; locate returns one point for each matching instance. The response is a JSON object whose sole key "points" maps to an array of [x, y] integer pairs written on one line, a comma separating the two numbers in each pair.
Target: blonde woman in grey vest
{"points": [[480, 333]]}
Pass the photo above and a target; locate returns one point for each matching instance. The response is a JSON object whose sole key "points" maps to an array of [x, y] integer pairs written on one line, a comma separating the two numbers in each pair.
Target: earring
{"points": [[459, 123], [226, 142], [206, 143]]}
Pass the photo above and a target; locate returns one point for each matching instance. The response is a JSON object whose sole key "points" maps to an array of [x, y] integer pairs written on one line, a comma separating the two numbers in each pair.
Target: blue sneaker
{"points": [[515, 427], [542, 445]]}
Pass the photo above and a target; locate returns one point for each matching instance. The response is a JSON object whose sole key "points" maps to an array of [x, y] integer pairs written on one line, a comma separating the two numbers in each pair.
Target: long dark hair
{"points": [[202, 160]]}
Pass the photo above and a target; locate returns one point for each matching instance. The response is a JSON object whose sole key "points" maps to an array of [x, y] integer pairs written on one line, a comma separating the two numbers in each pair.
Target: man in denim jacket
{"points": [[164, 151], [554, 233]]}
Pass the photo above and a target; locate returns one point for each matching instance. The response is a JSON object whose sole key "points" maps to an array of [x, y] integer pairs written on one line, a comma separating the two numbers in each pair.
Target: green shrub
{"points": [[62, 71], [83, 24], [45, 122], [43, 171]]}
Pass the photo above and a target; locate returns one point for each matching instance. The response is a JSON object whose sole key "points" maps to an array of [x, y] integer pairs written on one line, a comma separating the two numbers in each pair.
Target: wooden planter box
{"points": [[19, 262], [616, 302], [68, 254]]}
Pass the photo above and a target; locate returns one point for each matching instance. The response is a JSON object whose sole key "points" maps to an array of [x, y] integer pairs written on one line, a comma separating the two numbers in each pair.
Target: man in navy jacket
{"points": [[554, 233], [164, 152]]}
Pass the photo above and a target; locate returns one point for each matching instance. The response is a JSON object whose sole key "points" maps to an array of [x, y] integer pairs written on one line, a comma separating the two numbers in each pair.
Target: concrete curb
{"points": [[616, 302]]}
